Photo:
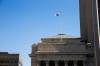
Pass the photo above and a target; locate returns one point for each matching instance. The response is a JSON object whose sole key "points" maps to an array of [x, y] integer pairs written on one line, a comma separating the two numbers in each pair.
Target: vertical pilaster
{"points": [[66, 63], [33, 61], [38, 63], [84, 63], [47, 63], [56, 63], [75, 63]]}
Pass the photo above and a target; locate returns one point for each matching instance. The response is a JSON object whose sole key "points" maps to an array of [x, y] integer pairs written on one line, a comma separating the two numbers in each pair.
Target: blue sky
{"points": [[24, 22]]}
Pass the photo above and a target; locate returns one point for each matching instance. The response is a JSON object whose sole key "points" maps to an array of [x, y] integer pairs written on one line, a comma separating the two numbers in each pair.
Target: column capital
{"points": [[46, 61], [65, 61], [56, 61]]}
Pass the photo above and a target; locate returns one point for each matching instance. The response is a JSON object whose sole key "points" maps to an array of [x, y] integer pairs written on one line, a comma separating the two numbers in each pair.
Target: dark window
{"points": [[42, 63], [61, 63], [70, 63], [80, 63], [51, 63]]}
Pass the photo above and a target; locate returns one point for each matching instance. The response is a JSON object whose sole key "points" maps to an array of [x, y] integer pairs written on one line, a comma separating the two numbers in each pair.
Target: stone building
{"points": [[7, 59], [65, 50], [59, 50]]}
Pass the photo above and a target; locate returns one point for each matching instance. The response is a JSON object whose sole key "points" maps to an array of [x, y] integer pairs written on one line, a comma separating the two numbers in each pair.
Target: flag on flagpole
{"points": [[57, 14]]}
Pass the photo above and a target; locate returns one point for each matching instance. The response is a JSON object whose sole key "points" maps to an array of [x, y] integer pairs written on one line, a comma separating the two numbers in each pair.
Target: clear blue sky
{"points": [[24, 22]]}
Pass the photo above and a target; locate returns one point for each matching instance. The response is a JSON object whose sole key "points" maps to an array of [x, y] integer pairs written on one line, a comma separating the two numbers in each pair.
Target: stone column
{"points": [[56, 63], [84, 63], [38, 63], [66, 63], [47, 63], [75, 63]]}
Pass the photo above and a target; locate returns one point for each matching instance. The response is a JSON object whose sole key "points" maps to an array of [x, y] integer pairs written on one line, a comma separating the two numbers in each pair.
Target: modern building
{"points": [[7, 59], [90, 26], [99, 11]]}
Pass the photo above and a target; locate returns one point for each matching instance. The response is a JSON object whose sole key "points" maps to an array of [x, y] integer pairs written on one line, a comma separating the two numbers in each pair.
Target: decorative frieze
{"points": [[60, 57]]}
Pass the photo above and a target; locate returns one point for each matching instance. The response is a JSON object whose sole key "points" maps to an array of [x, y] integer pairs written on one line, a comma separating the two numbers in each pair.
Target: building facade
{"points": [[7, 59], [89, 26], [60, 50]]}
